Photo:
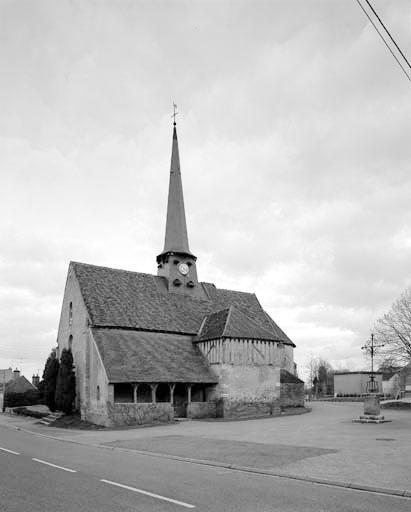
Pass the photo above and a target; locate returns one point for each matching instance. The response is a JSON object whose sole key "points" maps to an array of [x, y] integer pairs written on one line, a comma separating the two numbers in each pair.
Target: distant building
{"points": [[405, 381], [150, 347], [35, 380], [19, 385], [6, 376], [391, 381], [355, 383]]}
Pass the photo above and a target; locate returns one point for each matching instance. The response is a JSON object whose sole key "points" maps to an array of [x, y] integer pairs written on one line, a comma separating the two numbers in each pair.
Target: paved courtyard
{"points": [[323, 444]]}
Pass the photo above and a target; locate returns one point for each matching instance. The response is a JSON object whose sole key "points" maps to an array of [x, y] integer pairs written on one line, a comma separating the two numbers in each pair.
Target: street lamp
{"points": [[370, 347]]}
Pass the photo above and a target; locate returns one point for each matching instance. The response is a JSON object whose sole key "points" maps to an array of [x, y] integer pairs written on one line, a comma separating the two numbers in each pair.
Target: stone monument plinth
{"points": [[372, 405], [371, 411]]}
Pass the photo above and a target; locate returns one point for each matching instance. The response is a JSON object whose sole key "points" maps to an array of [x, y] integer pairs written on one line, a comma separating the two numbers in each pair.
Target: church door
{"points": [[180, 401]]}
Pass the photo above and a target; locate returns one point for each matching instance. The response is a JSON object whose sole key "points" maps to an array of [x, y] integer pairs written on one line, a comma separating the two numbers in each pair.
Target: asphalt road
{"points": [[41, 474]]}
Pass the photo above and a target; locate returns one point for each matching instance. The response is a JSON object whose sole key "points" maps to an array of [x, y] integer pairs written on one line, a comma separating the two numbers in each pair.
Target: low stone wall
{"points": [[139, 414], [196, 410], [338, 399], [292, 394], [237, 409]]}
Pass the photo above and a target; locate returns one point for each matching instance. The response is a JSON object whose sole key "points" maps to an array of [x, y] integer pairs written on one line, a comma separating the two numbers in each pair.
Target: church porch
{"points": [[140, 403]]}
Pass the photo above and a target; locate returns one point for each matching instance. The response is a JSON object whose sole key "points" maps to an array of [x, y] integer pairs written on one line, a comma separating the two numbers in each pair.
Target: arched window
{"points": [[71, 313], [70, 342], [98, 392]]}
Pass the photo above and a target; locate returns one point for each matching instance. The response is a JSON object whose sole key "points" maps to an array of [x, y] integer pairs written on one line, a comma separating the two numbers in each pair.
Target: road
{"points": [[48, 475]]}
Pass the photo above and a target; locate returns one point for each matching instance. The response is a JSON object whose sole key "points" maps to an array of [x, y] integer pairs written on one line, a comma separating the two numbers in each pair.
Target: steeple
{"points": [[176, 262], [176, 227]]}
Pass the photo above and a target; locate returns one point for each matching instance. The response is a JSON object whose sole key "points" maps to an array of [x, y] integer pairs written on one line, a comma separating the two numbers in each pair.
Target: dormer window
{"points": [[71, 314]]}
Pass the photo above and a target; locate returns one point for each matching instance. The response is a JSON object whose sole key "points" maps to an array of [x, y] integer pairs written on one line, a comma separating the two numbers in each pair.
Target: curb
{"points": [[234, 467]]}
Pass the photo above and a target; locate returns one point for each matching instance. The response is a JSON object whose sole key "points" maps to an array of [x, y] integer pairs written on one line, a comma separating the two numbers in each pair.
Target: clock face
{"points": [[183, 269]]}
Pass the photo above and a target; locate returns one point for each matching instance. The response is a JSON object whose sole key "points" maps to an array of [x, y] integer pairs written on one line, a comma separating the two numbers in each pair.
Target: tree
{"points": [[66, 383], [50, 379], [394, 330], [321, 376]]}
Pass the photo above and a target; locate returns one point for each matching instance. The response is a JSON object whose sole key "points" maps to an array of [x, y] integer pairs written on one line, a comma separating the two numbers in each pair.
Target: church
{"points": [[151, 348]]}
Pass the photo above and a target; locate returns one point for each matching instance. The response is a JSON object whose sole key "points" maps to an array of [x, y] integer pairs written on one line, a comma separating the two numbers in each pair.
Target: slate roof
{"points": [[287, 377], [232, 323], [133, 300], [19, 385], [137, 356]]}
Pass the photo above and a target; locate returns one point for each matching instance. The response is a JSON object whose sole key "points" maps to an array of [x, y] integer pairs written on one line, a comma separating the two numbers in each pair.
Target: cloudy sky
{"points": [[294, 132]]}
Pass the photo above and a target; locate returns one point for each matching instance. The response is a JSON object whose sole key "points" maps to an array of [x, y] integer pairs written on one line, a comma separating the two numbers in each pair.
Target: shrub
{"points": [[66, 383], [27, 412], [50, 379], [30, 397]]}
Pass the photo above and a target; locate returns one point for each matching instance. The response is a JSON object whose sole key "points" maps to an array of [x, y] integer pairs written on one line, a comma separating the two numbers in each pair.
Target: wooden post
{"points": [[189, 393], [153, 392], [135, 388], [172, 386]]}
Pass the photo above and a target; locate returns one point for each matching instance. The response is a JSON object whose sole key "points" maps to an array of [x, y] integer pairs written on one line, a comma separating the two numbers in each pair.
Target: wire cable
{"points": [[385, 42], [390, 36]]}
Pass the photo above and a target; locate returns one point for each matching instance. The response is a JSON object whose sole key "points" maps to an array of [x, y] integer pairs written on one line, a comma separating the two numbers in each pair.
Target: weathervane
{"points": [[174, 113], [370, 347]]}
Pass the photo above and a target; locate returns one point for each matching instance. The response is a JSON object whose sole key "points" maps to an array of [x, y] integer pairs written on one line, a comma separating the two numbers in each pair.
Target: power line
{"points": [[385, 42], [390, 36]]}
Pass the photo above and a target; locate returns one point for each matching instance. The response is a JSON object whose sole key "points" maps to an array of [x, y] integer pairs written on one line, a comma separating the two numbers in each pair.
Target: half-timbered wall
{"points": [[248, 352]]}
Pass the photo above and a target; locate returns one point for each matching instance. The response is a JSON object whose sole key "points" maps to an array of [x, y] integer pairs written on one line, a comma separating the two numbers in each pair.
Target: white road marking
{"points": [[55, 466], [187, 505], [9, 451]]}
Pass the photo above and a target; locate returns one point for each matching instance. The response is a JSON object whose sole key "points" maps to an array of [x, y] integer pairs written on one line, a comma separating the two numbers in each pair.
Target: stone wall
{"points": [[77, 327], [138, 414], [237, 409], [292, 394], [196, 410], [248, 383], [97, 417]]}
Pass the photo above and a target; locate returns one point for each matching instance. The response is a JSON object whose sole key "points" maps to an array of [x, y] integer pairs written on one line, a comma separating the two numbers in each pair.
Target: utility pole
{"points": [[370, 347]]}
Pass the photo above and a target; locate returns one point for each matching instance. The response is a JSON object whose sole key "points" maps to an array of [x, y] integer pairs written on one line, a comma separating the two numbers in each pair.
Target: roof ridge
{"points": [[112, 268]]}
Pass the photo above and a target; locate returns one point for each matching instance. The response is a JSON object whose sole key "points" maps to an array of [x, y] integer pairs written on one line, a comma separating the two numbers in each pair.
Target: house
{"points": [[405, 381], [5, 376], [391, 385], [19, 385], [153, 347]]}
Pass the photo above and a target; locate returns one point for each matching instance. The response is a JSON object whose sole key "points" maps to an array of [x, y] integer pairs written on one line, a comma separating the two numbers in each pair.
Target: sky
{"points": [[294, 131]]}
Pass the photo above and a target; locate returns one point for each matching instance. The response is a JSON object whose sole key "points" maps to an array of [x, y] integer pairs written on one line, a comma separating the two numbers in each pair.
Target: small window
{"points": [[70, 342], [71, 313], [98, 392]]}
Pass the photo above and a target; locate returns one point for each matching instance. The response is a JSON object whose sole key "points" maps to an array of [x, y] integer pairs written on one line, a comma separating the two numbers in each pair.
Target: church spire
{"points": [[176, 263], [176, 239]]}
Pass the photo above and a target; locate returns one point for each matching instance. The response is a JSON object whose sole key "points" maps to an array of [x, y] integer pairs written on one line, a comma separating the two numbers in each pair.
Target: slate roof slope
{"points": [[232, 323], [287, 377], [19, 385], [133, 300], [138, 356]]}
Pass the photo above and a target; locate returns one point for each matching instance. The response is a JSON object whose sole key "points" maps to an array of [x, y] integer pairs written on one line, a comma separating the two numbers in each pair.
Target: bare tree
{"points": [[320, 376], [394, 330]]}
